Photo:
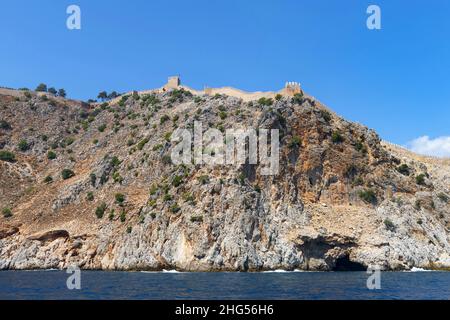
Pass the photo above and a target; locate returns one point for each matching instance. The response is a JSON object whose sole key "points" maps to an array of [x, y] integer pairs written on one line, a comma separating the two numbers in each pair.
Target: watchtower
{"points": [[173, 82], [291, 88]]}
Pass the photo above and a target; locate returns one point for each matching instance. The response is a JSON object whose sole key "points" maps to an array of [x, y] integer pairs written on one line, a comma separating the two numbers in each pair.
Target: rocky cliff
{"points": [[94, 185]]}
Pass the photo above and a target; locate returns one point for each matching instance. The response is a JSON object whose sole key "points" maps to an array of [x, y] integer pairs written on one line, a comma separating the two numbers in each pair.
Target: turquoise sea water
{"points": [[267, 285]]}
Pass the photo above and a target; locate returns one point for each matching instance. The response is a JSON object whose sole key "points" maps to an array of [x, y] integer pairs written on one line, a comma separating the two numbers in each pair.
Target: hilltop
{"points": [[94, 185]]}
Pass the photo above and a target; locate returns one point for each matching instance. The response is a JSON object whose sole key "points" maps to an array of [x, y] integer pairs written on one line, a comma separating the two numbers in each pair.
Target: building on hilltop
{"points": [[173, 83], [291, 88]]}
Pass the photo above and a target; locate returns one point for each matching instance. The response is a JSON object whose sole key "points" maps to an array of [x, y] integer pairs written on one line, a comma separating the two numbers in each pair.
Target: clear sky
{"points": [[394, 80]]}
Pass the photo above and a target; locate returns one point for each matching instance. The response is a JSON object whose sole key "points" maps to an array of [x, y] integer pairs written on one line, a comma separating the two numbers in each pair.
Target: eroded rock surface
{"points": [[342, 199]]}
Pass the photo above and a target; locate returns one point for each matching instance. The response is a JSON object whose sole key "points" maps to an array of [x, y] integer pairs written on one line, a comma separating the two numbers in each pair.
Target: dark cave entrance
{"points": [[345, 264]]}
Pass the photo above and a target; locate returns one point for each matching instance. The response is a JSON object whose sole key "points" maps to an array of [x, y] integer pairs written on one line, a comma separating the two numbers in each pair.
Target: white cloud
{"points": [[439, 147]]}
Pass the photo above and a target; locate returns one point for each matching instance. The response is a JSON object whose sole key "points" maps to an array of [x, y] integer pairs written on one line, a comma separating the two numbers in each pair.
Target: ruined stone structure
{"points": [[291, 88], [173, 82]]}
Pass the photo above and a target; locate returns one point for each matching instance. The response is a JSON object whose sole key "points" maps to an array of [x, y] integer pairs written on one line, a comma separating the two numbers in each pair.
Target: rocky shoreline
{"points": [[94, 186]]}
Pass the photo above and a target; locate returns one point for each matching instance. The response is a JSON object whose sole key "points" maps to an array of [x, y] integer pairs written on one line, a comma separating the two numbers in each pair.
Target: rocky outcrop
{"points": [[7, 231], [50, 235], [341, 200]]}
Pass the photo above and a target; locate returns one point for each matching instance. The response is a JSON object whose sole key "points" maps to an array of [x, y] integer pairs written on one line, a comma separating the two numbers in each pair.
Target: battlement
{"points": [[291, 88]]}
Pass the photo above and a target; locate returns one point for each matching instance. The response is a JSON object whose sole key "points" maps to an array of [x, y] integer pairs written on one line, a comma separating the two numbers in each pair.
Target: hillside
{"points": [[93, 185]]}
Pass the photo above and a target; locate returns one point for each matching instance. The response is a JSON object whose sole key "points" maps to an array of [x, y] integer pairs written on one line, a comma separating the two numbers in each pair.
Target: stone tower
{"points": [[292, 88], [173, 82]]}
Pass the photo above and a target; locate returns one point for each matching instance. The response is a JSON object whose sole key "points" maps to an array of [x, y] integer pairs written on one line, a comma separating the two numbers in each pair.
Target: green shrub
{"points": [[123, 216], [368, 196], [129, 229], [222, 115], [241, 178], [163, 119], [154, 189], [90, 196], [7, 156], [325, 115], [51, 155], [336, 137], [358, 181], [419, 221], [27, 95], [295, 142], [389, 225], [157, 147], [42, 87], [197, 219], [177, 181], [69, 140], [117, 177], [93, 179], [361, 147], [166, 159], [102, 127], [178, 95], [167, 197], [403, 169], [197, 99], [67, 173], [5, 125], [120, 198], [7, 213], [265, 101], [420, 179], [188, 197], [175, 208], [142, 143], [417, 204], [298, 98], [100, 211], [48, 179], [203, 179], [278, 97], [115, 162], [62, 93], [23, 145]]}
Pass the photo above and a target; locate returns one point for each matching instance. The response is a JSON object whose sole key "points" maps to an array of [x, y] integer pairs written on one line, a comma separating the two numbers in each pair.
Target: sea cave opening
{"points": [[345, 264]]}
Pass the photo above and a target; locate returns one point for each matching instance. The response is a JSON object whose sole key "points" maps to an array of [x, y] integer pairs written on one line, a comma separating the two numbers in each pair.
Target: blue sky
{"points": [[394, 80]]}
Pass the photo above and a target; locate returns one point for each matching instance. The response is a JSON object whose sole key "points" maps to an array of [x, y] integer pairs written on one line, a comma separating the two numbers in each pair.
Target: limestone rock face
{"points": [[341, 199]]}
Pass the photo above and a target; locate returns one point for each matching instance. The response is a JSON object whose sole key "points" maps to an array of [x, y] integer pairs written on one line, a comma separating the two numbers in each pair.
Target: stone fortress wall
{"points": [[290, 89]]}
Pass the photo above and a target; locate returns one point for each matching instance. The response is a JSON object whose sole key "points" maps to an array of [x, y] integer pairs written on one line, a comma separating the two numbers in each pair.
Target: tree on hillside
{"points": [[102, 95], [113, 95], [52, 91], [41, 87], [62, 93]]}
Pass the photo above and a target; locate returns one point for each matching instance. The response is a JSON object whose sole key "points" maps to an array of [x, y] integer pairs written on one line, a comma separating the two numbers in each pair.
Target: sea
{"points": [[169, 285]]}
